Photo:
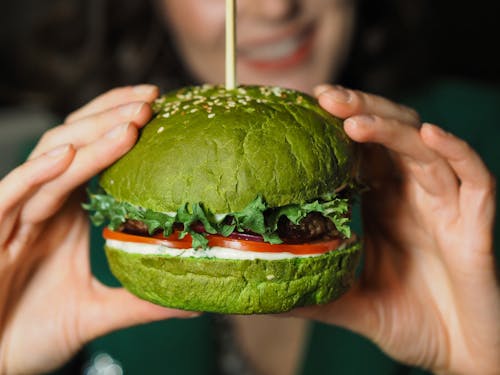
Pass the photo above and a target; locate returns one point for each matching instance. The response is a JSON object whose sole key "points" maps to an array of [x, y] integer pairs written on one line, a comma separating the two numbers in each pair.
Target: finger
{"points": [[466, 163], [344, 103], [24, 179], [417, 160], [477, 184], [354, 311], [20, 184], [90, 128], [88, 161], [114, 98], [116, 308]]}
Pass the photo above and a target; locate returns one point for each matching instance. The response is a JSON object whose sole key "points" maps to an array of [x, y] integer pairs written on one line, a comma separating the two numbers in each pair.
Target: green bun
{"points": [[236, 286], [224, 147]]}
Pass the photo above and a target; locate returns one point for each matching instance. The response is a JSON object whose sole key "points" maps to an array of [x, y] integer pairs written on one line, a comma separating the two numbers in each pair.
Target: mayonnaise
{"points": [[213, 252]]}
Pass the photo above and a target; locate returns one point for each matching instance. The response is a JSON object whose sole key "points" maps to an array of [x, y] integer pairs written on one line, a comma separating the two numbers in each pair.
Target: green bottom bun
{"points": [[236, 286]]}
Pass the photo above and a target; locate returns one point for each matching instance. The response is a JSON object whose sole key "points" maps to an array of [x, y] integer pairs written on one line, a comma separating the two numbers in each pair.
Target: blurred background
{"points": [[57, 54]]}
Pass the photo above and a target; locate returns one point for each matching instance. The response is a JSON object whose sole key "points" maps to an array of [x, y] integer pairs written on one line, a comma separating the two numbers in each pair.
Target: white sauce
{"points": [[213, 252]]}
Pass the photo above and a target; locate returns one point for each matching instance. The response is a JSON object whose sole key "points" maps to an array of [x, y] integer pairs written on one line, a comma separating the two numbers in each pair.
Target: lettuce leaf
{"points": [[257, 217]]}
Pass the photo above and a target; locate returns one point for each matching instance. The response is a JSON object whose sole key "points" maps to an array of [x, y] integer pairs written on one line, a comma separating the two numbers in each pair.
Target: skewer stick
{"points": [[230, 44]]}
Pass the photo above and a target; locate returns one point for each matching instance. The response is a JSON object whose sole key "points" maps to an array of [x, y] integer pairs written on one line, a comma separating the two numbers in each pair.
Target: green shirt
{"points": [[469, 110]]}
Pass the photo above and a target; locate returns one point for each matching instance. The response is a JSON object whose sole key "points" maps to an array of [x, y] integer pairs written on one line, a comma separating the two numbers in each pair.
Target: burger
{"points": [[232, 201]]}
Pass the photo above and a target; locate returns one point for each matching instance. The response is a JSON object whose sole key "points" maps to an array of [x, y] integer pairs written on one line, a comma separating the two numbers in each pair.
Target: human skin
{"points": [[428, 264], [296, 44], [428, 294], [50, 303]]}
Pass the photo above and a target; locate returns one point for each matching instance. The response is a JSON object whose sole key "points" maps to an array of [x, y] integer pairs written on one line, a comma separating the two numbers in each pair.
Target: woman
{"points": [[428, 295]]}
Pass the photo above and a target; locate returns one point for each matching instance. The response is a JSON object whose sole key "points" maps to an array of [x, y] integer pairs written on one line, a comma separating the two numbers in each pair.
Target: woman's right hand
{"points": [[50, 304]]}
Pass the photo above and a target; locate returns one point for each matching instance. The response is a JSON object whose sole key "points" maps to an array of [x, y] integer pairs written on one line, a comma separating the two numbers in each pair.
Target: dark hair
{"points": [[62, 53], [390, 41]]}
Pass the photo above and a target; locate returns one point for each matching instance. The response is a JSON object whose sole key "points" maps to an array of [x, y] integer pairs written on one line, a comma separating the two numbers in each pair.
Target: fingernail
{"points": [[338, 94], [192, 315], [117, 131], [350, 122], [320, 89], [359, 122], [130, 110], [58, 151], [436, 129], [144, 89]]}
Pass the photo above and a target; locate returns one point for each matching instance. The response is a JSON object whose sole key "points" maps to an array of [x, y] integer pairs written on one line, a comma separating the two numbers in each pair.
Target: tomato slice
{"points": [[172, 241]]}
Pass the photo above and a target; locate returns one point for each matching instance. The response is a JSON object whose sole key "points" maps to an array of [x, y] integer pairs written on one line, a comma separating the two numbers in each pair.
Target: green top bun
{"points": [[225, 147]]}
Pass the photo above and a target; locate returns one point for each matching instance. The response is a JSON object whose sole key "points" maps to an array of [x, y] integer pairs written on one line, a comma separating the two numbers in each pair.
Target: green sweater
{"points": [[187, 346]]}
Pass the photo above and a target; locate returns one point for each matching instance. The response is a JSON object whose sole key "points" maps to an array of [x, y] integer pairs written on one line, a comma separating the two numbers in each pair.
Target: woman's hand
{"points": [[428, 294], [50, 304]]}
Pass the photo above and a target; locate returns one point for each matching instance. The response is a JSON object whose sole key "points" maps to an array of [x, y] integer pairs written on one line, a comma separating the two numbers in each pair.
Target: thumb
{"points": [[356, 310], [111, 309]]}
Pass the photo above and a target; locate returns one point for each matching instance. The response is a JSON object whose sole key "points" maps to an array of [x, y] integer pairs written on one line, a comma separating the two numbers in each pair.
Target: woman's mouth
{"points": [[277, 54]]}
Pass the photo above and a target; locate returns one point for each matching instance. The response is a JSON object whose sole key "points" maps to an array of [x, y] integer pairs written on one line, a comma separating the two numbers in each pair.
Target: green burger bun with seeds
{"points": [[233, 201]]}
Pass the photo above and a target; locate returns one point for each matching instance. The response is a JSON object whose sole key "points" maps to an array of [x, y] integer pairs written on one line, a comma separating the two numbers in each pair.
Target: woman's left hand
{"points": [[428, 294]]}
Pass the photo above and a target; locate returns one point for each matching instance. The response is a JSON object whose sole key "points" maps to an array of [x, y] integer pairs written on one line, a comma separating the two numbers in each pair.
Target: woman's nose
{"points": [[270, 10]]}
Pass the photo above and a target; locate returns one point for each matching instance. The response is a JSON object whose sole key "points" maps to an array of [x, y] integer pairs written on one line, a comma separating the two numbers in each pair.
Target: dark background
{"points": [[465, 39], [55, 55], [461, 40]]}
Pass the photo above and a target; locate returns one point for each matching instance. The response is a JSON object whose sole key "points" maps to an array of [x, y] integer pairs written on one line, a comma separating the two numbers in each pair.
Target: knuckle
{"points": [[52, 134], [413, 115], [118, 90], [491, 183], [464, 149], [359, 100], [28, 174], [464, 144], [70, 117], [24, 175], [486, 191], [49, 135]]}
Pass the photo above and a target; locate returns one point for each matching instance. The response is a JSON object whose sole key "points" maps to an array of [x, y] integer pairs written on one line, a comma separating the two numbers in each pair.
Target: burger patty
{"points": [[134, 227], [312, 227]]}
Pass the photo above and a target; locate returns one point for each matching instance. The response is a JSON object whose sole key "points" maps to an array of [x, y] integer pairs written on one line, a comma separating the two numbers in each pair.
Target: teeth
{"points": [[273, 51]]}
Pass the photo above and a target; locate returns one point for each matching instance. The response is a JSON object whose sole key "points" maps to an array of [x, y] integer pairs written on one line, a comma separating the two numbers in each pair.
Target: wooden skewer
{"points": [[230, 44]]}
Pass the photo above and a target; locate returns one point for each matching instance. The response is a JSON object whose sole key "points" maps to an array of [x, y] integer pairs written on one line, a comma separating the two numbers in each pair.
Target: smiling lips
{"points": [[279, 54]]}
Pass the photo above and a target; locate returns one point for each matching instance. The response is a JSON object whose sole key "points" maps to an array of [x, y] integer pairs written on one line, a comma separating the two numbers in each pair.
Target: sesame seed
{"points": [[211, 115], [160, 130], [276, 91]]}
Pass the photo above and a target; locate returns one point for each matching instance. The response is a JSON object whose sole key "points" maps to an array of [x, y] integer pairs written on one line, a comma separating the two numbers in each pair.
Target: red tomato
{"points": [[172, 241]]}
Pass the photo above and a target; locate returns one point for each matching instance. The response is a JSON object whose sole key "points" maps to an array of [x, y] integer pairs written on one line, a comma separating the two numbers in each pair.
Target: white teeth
{"points": [[273, 51]]}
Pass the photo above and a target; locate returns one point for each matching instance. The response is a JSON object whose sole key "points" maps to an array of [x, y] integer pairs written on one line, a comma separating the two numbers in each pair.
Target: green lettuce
{"points": [[256, 217]]}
